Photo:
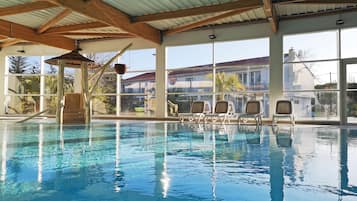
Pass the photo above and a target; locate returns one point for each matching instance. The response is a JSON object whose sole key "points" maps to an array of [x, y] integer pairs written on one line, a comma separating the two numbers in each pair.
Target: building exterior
{"points": [[253, 73]]}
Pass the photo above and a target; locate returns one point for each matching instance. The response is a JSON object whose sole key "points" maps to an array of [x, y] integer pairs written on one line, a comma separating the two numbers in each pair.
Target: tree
{"points": [[18, 64], [227, 83]]}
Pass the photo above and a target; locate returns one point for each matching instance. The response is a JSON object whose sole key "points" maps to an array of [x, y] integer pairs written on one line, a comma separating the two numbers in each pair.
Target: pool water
{"points": [[146, 160]]}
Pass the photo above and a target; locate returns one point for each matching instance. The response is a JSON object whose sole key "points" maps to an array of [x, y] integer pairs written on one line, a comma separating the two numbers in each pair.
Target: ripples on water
{"points": [[141, 160]]}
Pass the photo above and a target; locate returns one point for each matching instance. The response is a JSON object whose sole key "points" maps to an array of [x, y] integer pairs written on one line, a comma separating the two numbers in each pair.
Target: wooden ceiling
{"points": [[106, 21]]}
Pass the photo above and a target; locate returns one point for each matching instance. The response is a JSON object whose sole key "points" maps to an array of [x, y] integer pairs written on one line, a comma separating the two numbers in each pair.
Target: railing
{"points": [[33, 116]]}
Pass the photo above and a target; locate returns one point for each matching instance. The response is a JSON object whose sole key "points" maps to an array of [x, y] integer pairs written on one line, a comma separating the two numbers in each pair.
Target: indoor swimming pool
{"points": [[148, 160]]}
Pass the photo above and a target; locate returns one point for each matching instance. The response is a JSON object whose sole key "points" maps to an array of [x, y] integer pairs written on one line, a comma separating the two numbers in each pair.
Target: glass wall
{"points": [[311, 74], [137, 86], [32, 85], [104, 96], [23, 85], [131, 94], [238, 75]]}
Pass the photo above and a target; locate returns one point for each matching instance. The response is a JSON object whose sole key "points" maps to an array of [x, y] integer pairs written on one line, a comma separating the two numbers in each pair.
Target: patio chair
{"points": [[197, 112], [253, 109], [284, 109], [223, 111]]}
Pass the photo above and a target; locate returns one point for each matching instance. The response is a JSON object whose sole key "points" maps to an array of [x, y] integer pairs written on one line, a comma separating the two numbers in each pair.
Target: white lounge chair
{"points": [[197, 112], [223, 111], [284, 109], [253, 109]]}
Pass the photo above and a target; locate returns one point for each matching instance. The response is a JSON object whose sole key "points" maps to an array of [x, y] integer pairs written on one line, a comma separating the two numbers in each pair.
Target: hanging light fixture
{"points": [[120, 68]]}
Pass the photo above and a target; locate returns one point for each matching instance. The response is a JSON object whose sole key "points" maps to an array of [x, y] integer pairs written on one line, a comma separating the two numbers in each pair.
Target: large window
{"points": [[23, 85], [131, 94], [310, 74], [32, 85], [239, 69]]}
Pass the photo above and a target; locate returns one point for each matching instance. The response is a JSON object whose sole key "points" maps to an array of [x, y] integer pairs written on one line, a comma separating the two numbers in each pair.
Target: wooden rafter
{"points": [[111, 35], [236, 5], [109, 15], [26, 7], [10, 42], [54, 20], [75, 27], [18, 31], [270, 14], [205, 21]]}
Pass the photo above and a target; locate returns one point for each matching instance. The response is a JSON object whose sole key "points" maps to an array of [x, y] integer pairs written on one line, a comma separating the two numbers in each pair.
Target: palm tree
{"points": [[227, 83]]}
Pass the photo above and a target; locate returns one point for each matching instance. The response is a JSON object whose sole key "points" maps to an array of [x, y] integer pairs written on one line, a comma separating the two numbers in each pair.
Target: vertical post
{"points": [[343, 92], [213, 77], [85, 91], [60, 81], [42, 84], [3, 83], [276, 71], [118, 91], [161, 82]]}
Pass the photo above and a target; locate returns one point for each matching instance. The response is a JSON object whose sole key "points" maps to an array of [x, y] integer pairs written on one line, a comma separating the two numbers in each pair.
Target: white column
{"points": [[276, 71], [60, 81], [161, 81], [3, 83], [42, 84], [118, 91]]}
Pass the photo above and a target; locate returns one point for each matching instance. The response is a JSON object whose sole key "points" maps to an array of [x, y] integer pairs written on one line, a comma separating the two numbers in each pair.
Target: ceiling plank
{"points": [[10, 42], [111, 35], [236, 5], [205, 21], [13, 30], [317, 1], [75, 27], [26, 7], [54, 20], [107, 14], [270, 13], [318, 14]]}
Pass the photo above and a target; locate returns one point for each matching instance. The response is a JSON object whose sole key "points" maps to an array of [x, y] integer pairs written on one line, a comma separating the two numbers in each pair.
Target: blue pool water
{"points": [[141, 160]]}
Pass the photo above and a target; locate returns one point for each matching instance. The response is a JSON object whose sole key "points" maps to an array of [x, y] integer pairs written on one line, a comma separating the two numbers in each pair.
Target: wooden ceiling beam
{"points": [[205, 21], [236, 5], [270, 13], [109, 15], [26, 7], [54, 20], [111, 35], [13, 30], [75, 27], [10, 42]]}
